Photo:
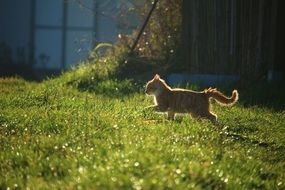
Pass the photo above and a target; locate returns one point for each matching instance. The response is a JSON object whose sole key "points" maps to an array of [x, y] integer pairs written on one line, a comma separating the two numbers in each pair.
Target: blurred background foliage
{"points": [[158, 45]]}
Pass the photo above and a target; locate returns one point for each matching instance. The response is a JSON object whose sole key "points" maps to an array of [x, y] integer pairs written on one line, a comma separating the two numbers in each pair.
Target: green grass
{"points": [[77, 132]]}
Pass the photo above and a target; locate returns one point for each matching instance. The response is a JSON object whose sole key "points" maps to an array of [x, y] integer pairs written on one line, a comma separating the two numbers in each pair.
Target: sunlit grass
{"points": [[58, 134]]}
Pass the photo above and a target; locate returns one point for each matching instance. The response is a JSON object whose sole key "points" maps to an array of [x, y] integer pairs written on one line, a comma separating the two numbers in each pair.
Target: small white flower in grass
{"points": [[178, 171], [221, 174], [176, 181], [137, 187], [81, 169], [136, 164], [114, 179]]}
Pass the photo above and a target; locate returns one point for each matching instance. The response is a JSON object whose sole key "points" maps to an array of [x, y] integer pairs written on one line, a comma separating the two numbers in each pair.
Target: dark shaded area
{"points": [[27, 72], [262, 94]]}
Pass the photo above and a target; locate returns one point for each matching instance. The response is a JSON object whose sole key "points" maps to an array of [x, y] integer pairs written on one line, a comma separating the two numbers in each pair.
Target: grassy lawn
{"points": [[73, 135]]}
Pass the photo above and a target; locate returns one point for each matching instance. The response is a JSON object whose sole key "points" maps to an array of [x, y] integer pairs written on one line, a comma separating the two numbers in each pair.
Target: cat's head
{"points": [[154, 86]]}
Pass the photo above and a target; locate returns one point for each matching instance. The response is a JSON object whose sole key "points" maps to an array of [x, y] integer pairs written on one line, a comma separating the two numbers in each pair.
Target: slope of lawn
{"points": [[89, 132]]}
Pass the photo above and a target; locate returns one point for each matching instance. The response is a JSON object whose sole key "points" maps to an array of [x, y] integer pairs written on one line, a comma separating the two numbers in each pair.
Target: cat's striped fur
{"points": [[177, 100]]}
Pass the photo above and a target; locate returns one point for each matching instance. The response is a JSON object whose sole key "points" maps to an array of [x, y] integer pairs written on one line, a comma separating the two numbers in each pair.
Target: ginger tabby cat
{"points": [[176, 100]]}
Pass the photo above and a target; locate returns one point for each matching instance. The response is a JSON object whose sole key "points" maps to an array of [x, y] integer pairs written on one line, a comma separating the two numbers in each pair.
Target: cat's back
{"points": [[185, 91], [181, 100]]}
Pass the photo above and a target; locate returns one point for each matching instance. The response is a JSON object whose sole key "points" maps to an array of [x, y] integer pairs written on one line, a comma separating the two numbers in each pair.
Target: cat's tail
{"points": [[221, 98]]}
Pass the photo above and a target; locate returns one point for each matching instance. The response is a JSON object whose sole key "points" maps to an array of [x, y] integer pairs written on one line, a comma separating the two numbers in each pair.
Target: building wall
{"points": [[54, 34], [15, 29]]}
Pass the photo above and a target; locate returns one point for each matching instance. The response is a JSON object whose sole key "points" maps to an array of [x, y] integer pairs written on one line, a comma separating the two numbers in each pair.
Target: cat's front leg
{"points": [[156, 108], [149, 108], [153, 107]]}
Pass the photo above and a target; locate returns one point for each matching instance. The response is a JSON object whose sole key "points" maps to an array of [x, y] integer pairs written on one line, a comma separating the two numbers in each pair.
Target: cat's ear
{"points": [[156, 77]]}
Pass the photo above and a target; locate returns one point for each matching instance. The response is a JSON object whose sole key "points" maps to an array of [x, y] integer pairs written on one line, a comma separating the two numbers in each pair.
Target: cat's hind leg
{"points": [[207, 114], [211, 116]]}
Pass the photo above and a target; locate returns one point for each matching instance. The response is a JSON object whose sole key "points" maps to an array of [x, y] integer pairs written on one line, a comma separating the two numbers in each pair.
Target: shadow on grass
{"points": [[227, 135], [234, 137]]}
